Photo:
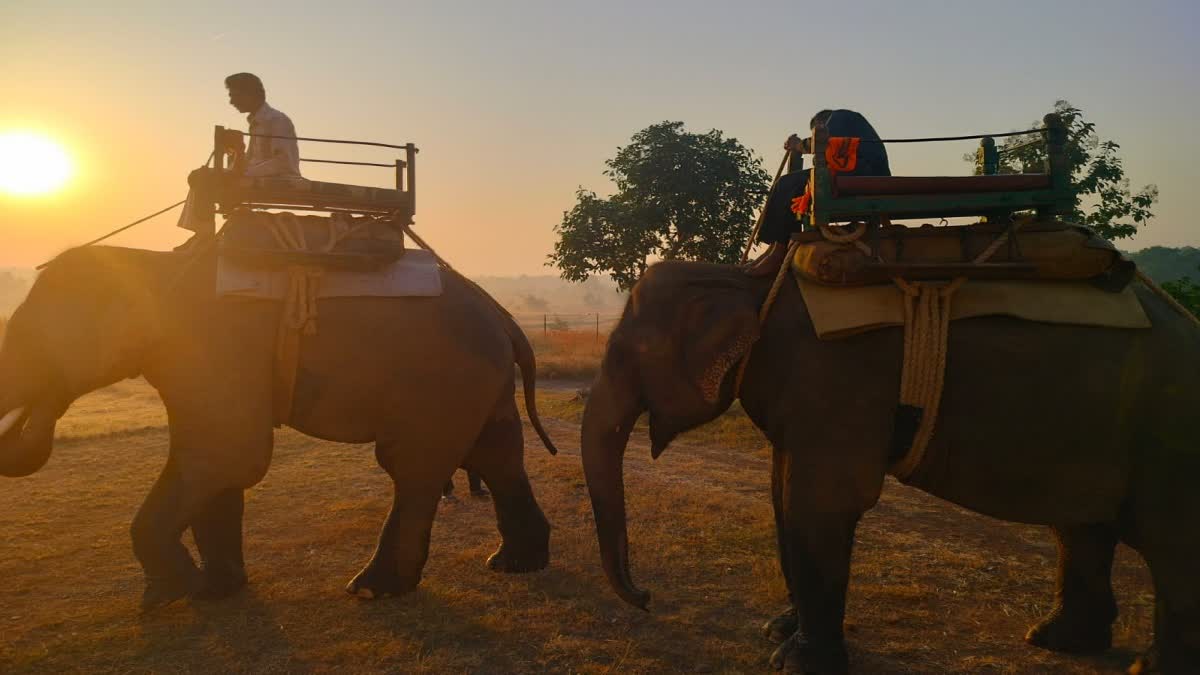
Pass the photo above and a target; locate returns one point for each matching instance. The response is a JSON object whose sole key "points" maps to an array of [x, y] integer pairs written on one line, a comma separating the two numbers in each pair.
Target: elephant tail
{"points": [[528, 365], [523, 355]]}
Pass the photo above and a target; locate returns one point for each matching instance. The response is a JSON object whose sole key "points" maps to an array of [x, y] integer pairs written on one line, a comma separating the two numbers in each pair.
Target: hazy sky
{"points": [[516, 104]]}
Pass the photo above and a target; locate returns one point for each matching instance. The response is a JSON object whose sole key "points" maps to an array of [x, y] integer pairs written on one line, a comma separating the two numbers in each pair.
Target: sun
{"points": [[32, 164]]}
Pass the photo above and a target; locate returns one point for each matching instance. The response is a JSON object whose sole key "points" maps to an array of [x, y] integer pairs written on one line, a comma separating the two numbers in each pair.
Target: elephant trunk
{"points": [[26, 438], [608, 420]]}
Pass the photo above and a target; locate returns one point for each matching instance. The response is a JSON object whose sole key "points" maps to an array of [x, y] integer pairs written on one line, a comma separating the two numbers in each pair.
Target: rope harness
{"points": [[927, 312], [299, 315], [923, 370]]}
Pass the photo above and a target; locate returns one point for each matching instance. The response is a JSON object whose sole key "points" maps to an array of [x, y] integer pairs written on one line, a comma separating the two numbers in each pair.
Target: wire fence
{"points": [[547, 324]]}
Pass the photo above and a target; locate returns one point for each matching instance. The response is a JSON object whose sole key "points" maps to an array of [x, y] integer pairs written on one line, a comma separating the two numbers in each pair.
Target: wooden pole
{"points": [[218, 147], [545, 325]]}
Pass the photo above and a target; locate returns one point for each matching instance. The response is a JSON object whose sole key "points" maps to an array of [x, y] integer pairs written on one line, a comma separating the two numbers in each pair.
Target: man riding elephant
{"points": [[273, 151], [428, 380], [779, 222]]}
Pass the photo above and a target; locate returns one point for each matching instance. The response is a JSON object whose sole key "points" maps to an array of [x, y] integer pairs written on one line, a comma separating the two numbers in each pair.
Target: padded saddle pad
{"points": [[415, 274], [1049, 251], [842, 312]]}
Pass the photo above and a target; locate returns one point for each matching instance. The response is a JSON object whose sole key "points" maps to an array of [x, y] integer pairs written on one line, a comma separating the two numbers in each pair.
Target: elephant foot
{"points": [[781, 627], [799, 654], [1071, 633], [218, 585], [372, 583], [1168, 659], [511, 561], [162, 591], [1146, 663]]}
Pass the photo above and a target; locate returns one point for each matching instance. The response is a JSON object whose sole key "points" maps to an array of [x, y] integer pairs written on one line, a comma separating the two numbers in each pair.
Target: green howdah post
{"points": [[1056, 164], [822, 188]]}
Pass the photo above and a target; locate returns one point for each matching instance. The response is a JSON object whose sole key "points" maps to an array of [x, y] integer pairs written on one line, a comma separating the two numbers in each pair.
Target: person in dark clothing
{"points": [[778, 220]]}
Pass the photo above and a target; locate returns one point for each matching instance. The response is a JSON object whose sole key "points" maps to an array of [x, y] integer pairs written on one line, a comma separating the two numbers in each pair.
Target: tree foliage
{"points": [[1164, 263], [1103, 199], [679, 195], [1187, 292]]}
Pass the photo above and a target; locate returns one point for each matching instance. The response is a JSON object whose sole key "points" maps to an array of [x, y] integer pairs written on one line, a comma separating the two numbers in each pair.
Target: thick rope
{"points": [[763, 212], [764, 311], [856, 233], [299, 316], [121, 229], [926, 333]]}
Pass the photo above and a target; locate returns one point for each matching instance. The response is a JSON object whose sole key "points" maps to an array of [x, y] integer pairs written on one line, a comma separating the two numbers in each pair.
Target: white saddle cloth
{"points": [[415, 274]]}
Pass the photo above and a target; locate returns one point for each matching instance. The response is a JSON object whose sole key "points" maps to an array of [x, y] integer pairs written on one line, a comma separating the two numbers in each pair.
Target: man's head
{"points": [[820, 118], [246, 92]]}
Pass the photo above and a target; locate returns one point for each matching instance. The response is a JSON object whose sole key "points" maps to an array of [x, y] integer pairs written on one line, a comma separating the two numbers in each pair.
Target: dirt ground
{"points": [[935, 588]]}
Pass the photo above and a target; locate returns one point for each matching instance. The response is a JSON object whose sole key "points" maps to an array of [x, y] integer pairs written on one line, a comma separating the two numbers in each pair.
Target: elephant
{"points": [[1084, 429], [429, 380], [473, 480]]}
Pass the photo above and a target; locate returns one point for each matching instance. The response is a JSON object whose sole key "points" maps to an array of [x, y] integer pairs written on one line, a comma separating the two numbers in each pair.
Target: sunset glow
{"points": [[32, 164]]}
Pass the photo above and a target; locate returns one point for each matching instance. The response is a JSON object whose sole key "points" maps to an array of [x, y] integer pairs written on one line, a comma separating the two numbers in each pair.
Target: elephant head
{"points": [[674, 353], [86, 323]]}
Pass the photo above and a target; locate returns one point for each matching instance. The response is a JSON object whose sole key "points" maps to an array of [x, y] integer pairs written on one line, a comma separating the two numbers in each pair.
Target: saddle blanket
{"points": [[839, 312], [415, 274]]}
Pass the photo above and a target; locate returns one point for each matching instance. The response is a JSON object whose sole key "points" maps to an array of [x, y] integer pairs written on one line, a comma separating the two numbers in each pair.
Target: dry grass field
{"points": [[935, 589], [567, 355]]}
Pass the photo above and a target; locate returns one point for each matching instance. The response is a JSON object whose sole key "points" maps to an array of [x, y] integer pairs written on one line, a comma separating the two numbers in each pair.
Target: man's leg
{"points": [[778, 224]]}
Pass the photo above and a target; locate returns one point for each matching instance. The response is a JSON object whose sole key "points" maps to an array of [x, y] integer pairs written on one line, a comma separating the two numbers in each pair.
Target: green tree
{"points": [[1187, 292], [679, 195], [1103, 199]]}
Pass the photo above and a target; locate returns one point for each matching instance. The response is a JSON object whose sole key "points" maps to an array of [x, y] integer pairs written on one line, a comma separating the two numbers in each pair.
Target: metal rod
{"points": [[410, 152], [1019, 146], [338, 161], [951, 138], [330, 140]]}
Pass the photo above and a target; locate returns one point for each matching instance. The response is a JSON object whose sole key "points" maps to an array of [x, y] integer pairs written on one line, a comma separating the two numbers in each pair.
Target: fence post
{"points": [[545, 325], [597, 327]]}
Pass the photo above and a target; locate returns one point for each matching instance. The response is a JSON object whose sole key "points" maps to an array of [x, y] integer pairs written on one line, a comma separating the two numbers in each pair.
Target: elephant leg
{"points": [[172, 504], [1172, 562], [1085, 608], [218, 533], [819, 565], [783, 626], [821, 509], [476, 483], [395, 567], [499, 458]]}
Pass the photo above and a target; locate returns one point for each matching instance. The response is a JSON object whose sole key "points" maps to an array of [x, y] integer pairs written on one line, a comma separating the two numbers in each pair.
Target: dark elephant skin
{"points": [[429, 380], [1086, 430]]}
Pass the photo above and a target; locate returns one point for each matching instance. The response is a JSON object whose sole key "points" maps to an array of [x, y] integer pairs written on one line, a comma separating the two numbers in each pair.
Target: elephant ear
{"points": [[719, 328]]}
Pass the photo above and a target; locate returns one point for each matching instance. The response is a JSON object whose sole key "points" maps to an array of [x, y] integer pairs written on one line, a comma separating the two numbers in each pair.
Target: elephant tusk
{"points": [[10, 420]]}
